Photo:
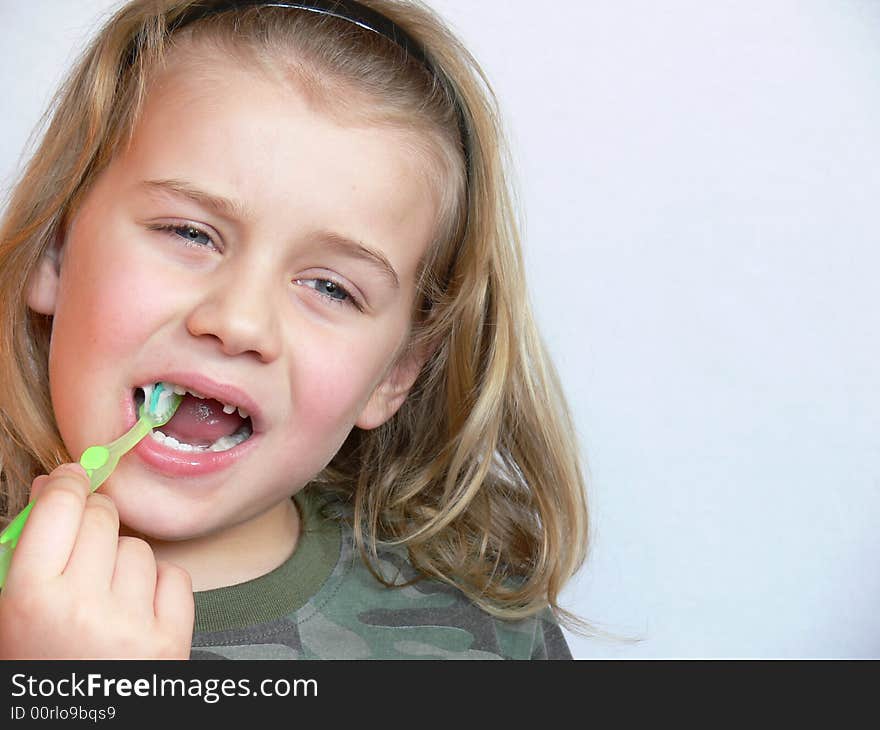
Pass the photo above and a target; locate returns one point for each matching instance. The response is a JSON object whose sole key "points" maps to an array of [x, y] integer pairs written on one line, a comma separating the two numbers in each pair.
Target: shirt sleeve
{"points": [[549, 640]]}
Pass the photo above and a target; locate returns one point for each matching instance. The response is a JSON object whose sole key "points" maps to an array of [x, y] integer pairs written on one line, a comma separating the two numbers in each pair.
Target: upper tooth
{"points": [[180, 390]]}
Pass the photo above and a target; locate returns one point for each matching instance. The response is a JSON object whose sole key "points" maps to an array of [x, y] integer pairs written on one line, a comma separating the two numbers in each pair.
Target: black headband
{"points": [[348, 10]]}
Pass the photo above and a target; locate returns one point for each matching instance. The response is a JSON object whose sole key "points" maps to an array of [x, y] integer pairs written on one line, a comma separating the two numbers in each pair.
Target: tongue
{"points": [[201, 422]]}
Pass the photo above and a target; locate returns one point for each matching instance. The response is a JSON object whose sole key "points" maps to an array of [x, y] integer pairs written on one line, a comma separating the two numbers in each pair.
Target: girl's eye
{"points": [[331, 291], [190, 234]]}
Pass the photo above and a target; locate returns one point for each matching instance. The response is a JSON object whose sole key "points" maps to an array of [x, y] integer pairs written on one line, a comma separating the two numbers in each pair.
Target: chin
{"points": [[155, 519]]}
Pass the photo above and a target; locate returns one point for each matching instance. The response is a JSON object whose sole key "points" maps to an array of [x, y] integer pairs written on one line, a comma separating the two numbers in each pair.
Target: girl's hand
{"points": [[76, 589]]}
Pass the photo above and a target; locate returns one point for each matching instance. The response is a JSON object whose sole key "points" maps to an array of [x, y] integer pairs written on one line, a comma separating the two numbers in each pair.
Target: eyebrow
{"points": [[232, 209]]}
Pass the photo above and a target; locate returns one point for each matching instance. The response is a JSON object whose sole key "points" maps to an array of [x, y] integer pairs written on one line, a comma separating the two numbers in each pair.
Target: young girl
{"points": [[296, 213]]}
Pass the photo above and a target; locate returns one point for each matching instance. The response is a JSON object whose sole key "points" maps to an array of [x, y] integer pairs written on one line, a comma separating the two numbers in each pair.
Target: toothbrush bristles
{"points": [[161, 402]]}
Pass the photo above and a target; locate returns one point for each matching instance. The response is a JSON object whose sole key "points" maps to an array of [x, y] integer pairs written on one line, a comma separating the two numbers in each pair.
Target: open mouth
{"points": [[201, 423]]}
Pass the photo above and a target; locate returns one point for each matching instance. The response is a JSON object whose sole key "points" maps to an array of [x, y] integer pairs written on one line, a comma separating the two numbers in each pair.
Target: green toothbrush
{"points": [[100, 461]]}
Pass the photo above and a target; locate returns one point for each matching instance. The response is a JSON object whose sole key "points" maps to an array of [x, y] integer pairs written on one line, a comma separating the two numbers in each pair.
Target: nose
{"points": [[237, 310]]}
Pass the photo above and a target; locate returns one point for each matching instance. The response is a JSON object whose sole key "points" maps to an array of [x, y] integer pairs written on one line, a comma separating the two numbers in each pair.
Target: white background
{"points": [[699, 182]]}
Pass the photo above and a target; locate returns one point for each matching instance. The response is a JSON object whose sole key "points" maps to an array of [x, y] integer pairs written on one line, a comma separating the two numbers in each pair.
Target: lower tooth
{"points": [[222, 444], [173, 443], [227, 442]]}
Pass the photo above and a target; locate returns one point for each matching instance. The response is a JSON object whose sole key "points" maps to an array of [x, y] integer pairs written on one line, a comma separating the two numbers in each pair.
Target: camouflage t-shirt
{"points": [[323, 603]]}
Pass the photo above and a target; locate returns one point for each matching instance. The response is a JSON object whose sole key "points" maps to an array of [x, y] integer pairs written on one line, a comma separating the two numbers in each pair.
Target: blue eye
{"points": [[189, 234], [331, 291]]}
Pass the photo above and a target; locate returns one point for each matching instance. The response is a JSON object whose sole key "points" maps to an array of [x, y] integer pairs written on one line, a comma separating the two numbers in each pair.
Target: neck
{"points": [[244, 557]]}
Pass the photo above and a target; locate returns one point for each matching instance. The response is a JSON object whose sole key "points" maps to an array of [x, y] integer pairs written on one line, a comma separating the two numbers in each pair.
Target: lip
{"points": [[223, 392], [191, 463]]}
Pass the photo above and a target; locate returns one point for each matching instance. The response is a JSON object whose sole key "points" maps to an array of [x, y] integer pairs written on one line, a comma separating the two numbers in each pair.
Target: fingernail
{"points": [[73, 469], [37, 482]]}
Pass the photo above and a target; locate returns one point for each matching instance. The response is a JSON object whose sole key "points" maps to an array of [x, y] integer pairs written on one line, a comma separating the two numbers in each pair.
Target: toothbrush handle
{"points": [[98, 461], [9, 536], [6, 550], [9, 539]]}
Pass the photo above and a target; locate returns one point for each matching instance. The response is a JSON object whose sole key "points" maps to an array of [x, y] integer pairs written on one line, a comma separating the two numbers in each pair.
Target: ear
{"points": [[390, 394], [42, 289]]}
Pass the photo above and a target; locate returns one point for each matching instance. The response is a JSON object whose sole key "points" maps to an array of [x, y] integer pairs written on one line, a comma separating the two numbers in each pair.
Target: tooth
{"points": [[227, 442], [157, 435], [243, 413], [179, 390], [228, 409], [222, 444], [172, 442]]}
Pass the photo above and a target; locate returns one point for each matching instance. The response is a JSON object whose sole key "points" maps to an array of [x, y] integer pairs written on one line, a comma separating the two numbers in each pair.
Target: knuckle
{"points": [[101, 508], [177, 575], [101, 500], [64, 495], [135, 547], [72, 473]]}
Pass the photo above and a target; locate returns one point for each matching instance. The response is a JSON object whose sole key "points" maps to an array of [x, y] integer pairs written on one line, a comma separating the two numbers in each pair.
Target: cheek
{"points": [[103, 316], [328, 392], [107, 298], [333, 385]]}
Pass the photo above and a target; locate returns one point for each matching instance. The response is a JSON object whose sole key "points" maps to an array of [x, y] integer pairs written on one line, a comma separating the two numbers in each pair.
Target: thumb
{"points": [[39, 484]]}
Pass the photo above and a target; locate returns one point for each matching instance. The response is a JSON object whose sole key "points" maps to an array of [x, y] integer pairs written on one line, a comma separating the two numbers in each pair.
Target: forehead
{"points": [[265, 145]]}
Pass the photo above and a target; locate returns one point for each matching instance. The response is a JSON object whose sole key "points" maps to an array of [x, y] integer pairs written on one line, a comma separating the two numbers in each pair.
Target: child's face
{"points": [[238, 296]]}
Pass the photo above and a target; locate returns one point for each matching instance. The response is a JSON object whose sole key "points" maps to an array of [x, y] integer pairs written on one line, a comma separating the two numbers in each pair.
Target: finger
{"points": [[94, 553], [134, 576], [38, 485], [173, 603], [52, 526]]}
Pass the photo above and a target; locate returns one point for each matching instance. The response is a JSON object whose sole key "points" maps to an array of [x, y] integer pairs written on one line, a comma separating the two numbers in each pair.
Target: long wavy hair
{"points": [[479, 474]]}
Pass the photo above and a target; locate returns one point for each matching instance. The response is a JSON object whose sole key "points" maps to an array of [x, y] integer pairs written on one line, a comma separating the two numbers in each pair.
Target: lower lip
{"points": [[187, 463]]}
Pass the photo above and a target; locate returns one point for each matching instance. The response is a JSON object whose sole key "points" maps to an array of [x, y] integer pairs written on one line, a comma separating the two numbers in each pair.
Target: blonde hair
{"points": [[478, 474]]}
